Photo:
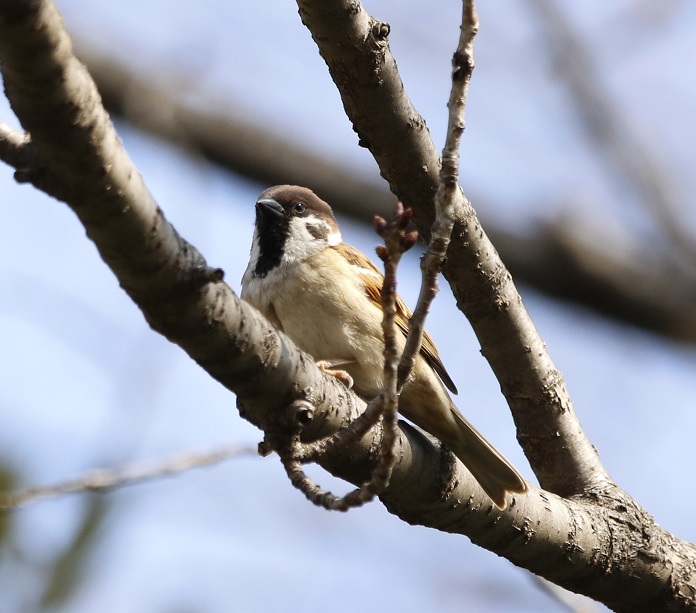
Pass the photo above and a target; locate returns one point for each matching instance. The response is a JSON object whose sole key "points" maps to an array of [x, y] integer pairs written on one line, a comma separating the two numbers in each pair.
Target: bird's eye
{"points": [[299, 207]]}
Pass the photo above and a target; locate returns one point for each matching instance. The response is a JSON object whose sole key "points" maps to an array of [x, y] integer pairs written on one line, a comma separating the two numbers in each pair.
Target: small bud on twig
{"points": [[382, 253], [380, 225], [405, 216], [408, 240]]}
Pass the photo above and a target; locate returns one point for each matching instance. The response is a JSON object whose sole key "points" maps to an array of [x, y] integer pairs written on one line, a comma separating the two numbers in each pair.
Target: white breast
{"points": [[320, 306]]}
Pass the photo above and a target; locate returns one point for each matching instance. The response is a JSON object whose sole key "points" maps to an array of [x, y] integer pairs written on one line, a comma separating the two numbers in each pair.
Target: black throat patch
{"points": [[272, 232]]}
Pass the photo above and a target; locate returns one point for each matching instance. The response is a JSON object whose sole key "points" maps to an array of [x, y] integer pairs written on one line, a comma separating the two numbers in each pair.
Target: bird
{"points": [[325, 295]]}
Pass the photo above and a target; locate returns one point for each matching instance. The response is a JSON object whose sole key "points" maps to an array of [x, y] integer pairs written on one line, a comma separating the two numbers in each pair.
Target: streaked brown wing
{"points": [[373, 278]]}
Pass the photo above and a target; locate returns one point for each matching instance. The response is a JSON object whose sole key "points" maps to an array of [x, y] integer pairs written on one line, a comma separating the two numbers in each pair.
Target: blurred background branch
{"points": [[648, 283], [110, 478]]}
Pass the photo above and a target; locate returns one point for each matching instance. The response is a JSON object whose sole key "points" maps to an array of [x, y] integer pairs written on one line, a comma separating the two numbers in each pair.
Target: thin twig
{"points": [[130, 474], [462, 68], [431, 264], [385, 406]]}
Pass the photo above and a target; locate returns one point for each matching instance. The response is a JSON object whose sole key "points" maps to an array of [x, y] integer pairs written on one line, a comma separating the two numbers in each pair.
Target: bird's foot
{"points": [[329, 367]]}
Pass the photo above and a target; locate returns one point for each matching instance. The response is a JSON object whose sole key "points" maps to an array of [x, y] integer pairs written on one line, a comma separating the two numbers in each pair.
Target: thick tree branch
{"points": [[607, 548], [180, 296], [355, 48]]}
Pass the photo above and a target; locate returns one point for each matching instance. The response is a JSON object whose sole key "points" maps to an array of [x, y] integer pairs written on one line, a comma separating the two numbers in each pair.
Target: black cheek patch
{"points": [[318, 231]]}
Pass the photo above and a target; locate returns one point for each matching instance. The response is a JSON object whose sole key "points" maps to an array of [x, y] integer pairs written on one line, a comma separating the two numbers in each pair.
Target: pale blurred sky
{"points": [[86, 383]]}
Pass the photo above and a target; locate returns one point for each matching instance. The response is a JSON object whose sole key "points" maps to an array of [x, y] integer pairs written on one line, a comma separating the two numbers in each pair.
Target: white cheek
{"points": [[334, 239], [302, 244]]}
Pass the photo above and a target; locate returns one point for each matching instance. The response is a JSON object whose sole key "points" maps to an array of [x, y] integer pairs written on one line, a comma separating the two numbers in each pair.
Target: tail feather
{"points": [[496, 476]]}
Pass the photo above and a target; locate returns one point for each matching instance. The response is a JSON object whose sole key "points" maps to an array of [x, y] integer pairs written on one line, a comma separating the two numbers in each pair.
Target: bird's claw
{"points": [[328, 367]]}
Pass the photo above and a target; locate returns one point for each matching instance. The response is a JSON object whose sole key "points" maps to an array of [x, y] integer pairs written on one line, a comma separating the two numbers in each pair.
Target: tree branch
{"points": [[605, 546], [355, 48]]}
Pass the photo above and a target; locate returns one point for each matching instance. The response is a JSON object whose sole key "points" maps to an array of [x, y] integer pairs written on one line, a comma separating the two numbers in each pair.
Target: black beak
{"points": [[269, 208]]}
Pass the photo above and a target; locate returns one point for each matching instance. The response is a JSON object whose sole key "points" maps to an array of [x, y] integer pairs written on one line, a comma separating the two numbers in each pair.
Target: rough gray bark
{"points": [[595, 540]]}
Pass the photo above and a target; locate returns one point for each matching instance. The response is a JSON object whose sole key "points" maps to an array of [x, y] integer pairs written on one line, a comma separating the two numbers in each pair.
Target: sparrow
{"points": [[325, 295]]}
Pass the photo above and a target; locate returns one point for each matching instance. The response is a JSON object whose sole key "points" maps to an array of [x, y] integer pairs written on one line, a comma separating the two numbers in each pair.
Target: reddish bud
{"points": [[405, 218], [382, 253], [380, 225], [408, 240]]}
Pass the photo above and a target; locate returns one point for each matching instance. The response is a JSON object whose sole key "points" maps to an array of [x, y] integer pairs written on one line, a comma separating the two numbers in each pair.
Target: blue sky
{"points": [[85, 382]]}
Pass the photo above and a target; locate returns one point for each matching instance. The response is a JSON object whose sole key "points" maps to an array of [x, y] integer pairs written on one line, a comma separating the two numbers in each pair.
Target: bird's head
{"points": [[292, 224]]}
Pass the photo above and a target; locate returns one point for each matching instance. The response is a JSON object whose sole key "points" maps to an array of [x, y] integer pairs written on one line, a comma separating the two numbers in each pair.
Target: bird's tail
{"points": [[493, 472]]}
